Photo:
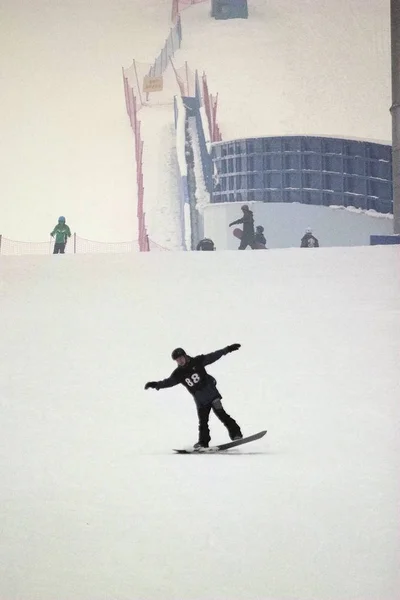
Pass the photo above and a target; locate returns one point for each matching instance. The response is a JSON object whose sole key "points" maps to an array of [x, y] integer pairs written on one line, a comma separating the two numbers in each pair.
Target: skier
{"points": [[248, 228], [309, 240], [259, 238], [62, 233], [205, 244], [191, 373]]}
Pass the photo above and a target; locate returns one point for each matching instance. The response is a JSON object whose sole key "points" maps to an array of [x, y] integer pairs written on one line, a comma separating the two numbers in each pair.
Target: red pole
{"points": [[137, 82]]}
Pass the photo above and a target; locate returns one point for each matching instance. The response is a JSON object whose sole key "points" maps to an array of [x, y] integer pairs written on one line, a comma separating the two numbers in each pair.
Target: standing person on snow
{"points": [[248, 228], [308, 240], [191, 373], [61, 232]]}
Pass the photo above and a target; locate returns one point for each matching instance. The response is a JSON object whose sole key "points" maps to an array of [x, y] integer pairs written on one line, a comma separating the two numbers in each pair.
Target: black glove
{"points": [[151, 384], [232, 348]]}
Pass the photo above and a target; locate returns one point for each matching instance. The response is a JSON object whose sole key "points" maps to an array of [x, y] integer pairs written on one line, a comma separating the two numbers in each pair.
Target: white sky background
{"points": [[66, 143], [94, 505], [316, 67]]}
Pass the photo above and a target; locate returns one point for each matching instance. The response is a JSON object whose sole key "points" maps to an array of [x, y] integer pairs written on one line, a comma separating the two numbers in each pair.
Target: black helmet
{"points": [[177, 353], [245, 208], [260, 228]]}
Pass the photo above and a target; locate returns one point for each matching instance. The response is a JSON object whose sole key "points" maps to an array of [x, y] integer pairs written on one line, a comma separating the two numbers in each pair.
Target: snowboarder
{"points": [[191, 373], [259, 238], [205, 244], [309, 240], [247, 220], [61, 232]]}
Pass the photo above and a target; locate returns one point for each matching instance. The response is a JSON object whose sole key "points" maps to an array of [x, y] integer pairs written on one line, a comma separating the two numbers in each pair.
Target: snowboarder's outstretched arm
{"points": [[208, 359], [164, 383], [247, 218], [237, 222]]}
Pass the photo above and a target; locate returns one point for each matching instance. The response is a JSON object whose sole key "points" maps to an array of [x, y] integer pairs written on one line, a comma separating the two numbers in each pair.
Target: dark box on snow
{"points": [[383, 240], [229, 9]]}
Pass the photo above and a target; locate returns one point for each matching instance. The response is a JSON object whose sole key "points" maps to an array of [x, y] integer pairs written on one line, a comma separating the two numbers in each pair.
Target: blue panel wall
{"points": [[193, 110], [311, 170], [384, 240]]}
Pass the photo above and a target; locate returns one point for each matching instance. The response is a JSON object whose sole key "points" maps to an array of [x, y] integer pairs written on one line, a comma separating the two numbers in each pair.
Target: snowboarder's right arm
{"points": [[164, 383], [237, 222]]}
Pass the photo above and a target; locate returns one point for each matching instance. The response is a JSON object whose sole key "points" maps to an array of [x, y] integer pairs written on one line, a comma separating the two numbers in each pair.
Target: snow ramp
{"points": [[94, 504]]}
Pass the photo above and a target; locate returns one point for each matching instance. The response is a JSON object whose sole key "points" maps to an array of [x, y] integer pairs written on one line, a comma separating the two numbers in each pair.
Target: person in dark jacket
{"points": [[61, 232], [191, 373], [248, 228], [205, 244], [309, 240], [259, 238]]}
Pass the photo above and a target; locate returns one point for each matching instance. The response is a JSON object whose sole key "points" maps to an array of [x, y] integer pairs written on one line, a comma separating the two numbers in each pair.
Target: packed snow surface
{"points": [[94, 503]]}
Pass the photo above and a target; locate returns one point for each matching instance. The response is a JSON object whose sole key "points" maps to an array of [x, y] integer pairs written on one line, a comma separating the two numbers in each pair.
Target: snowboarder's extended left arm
{"points": [[164, 383], [208, 359]]}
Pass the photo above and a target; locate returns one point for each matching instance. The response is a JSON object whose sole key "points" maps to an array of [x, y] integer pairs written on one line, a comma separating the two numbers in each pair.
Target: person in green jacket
{"points": [[61, 232]]}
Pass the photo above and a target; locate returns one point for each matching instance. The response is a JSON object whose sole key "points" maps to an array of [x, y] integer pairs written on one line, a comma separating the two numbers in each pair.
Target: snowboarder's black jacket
{"points": [[195, 378], [248, 224]]}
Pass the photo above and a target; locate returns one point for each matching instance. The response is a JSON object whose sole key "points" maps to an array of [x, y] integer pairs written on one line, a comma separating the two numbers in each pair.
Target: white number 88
{"points": [[192, 380]]}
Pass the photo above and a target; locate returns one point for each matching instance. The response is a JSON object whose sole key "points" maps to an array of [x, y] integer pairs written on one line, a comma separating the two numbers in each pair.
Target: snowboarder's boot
{"points": [[199, 446]]}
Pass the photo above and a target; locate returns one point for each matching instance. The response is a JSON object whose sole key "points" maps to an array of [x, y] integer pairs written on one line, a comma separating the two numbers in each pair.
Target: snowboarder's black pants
{"points": [[203, 412], [59, 248], [247, 241]]}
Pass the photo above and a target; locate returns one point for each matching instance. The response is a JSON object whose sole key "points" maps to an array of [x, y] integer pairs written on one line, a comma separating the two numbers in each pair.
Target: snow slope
{"points": [[297, 68], [94, 504], [160, 176]]}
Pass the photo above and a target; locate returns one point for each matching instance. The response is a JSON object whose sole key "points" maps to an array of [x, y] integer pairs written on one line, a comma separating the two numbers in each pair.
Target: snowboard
{"points": [[222, 447], [238, 233]]}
